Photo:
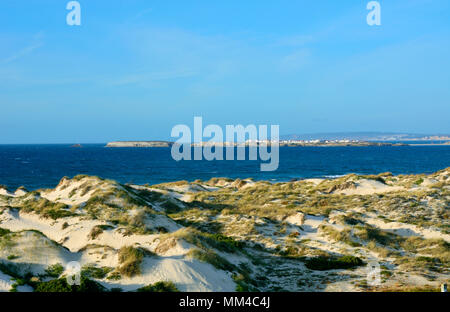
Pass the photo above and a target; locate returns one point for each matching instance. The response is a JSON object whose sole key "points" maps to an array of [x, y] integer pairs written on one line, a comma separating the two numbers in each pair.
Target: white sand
{"points": [[314, 181], [5, 192], [407, 230], [368, 187], [62, 192], [39, 252], [6, 282], [187, 274]]}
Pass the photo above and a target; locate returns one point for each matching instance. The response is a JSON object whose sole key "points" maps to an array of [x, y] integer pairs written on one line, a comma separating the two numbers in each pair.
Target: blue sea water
{"points": [[42, 166]]}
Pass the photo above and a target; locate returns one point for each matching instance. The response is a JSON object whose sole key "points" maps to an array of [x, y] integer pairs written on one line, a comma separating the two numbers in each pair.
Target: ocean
{"points": [[42, 166]]}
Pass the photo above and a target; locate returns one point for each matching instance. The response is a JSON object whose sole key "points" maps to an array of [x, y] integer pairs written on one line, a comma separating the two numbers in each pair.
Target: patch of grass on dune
{"points": [[95, 272], [164, 286], [339, 236], [212, 258], [399, 288], [4, 232], [54, 270], [61, 285], [46, 208], [207, 240], [322, 263], [130, 260]]}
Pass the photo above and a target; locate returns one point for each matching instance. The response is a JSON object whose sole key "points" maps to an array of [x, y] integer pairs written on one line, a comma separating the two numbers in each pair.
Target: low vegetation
{"points": [[95, 272], [159, 287], [130, 260], [212, 258], [322, 263], [54, 270], [61, 285], [288, 236]]}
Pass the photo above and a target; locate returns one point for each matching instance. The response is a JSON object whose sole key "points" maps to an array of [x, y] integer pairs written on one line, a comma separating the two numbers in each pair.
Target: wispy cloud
{"points": [[142, 78], [36, 43], [295, 60], [295, 40], [139, 79]]}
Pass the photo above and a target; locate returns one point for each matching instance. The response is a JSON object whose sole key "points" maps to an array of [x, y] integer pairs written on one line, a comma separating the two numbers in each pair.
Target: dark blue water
{"points": [[38, 166]]}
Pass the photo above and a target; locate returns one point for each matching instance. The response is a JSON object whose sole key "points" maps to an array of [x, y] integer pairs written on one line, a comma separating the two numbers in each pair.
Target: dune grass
{"points": [[164, 286], [130, 260]]}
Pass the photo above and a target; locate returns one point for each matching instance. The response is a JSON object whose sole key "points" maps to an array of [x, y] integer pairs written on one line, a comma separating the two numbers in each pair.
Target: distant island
{"points": [[289, 143], [368, 136], [139, 144], [319, 139], [294, 143]]}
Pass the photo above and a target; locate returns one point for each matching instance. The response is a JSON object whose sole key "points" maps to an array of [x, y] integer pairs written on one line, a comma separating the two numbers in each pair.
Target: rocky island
{"points": [[289, 143], [139, 144]]}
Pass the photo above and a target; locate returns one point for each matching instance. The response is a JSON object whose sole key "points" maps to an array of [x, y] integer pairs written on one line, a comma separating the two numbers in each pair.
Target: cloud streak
{"points": [[35, 44]]}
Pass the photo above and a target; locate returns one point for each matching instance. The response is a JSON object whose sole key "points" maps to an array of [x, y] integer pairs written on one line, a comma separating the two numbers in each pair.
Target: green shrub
{"points": [[130, 259], [242, 288], [170, 207], [159, 287], [291, 251], [4, 232], [17, 282], [212, 258], [95, 232], [55, 270], [57, 214], [61, 285], [223, 243], [47, 208], [206, 240], [242, 283], [323, 263], [370, 233], [94, 272], [339, 236], [114, 276]]}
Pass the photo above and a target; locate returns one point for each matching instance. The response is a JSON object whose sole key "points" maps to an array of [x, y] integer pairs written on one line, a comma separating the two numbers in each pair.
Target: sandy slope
{"points": [[368, 187], [38, 242], [187, 274]]}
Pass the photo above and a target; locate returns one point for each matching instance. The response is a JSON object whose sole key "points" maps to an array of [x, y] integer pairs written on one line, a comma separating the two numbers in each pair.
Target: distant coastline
{"points": [[288, 143], [430, 144], [139, 144]]}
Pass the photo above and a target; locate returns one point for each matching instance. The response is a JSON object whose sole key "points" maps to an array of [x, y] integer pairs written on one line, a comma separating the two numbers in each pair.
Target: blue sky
{"points": [[136, 68]]}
